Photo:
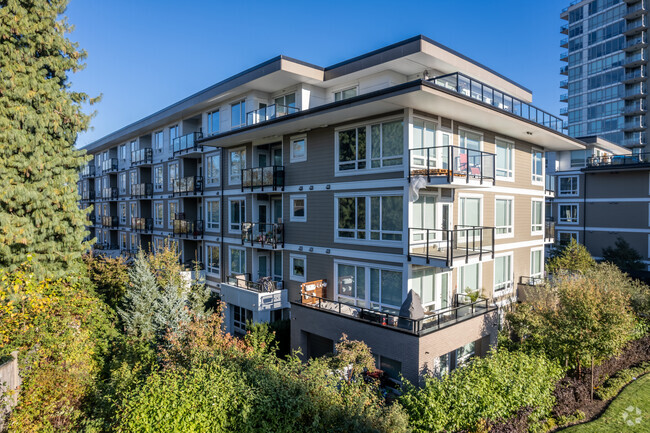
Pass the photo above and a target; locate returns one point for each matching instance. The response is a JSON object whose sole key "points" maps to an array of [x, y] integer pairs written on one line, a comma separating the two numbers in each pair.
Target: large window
{"points": [[504, 216], [213, 169], [470, 140], [238, 114], [424, 134], [284, 101], [236, 165], [298, 267], [237, 214], [505, 159], [298, 208], [568, 185], [237, 261], [369, 286], [431, 285], [298, 149], [375, 218], [502, 273], [173, 175], [568, 213], [158, 212], [578, 158], [212, 254], [371, 147], [564, 238], [213, 122], [538, 167], [469, 213], [345, 94], [158, 141], [469, 278], [537, 263], [158, 178], [213, 214], [536, 224]]}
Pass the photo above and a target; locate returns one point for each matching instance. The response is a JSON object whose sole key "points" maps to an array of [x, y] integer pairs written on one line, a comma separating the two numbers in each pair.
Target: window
{"points": [[369, 286], [123, 152], [538, 167], [424, 134], [299, 149], [568, 185], [469, 213], [504, 209], [345, 94], [158, 178], [173, 134], [123, 244], [469, 278], [536, 263], [158, 141], [536, 224], [213, 122], [134, 242], [173, 175], [578, 158], [470, 140], [502, 273], [564, 238], [298, 268], [122, 183], [213, 215], [237, 261], [298, 208], [237, 164], [122, 213], [213, 169], [382, 144], [505, 158], [212, 255], [133, 177], [133, 209], [464, 353], [158, 214], [568, 213], [240, 317], [238, 114], [173, 210], [237, 214], [391, 367], [282, 102], [431, 285], [376, 218]]}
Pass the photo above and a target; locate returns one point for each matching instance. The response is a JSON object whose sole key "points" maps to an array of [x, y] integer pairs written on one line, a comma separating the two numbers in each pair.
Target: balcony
{"points": [[564, 111], [636, 10], [635, 76], [549, 185], [188, 228], [263, 177], [475, 89], [141, 190], [635, 139], [564, 29], [110, 193], [636, 42], [637, 123], [87, 171], [261, 297], [105, 246], [188, 186], [619, 160], [110, 221], [186, 144], [110, 166], [564, 70], [549, 231], [636, 26], [268, 113], [635, 107], [88, 195], [564, 84], [446, 248], [564, 56], [141, 157], [264, 234], [91, 219], [564, 43], [263, 285], [633, 60], [637, 91], [452, 165], [564, 97], [141, 224]]}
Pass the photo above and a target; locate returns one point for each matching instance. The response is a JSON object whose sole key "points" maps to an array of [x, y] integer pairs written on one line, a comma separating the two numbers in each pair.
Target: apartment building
{"points": [[606, 67], [396, 197]]}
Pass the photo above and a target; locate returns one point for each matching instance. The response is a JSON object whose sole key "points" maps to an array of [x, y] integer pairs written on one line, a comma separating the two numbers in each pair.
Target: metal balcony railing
{"points": [[271, 234], [88, 195], [191, 185], [141, 190], [269, 112], [188, 228], [141, 157], [88, 171], [263, 285], [111, 193], [549, 230], [532, 281], [110, 165], [139, 224], [453, 162], [475, 89], [263, 177], [187, 142], [451, 245], [110, 221]]}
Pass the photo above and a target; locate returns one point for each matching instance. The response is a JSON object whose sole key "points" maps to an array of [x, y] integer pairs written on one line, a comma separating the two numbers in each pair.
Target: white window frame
{"points": [[479, 276], [535, 178], [236, 180], [209, 225], [230, 250], [511, 233], [124, 244], [243, 217], [510, 176], [481, 206], [213, 181], [368, 241], [133, 214], [123, 183], [170, 178], [159, 144], [571, 193], [367, 302], [210, 122], [534, 232], [509, 285], [159, 186], [170, 217], [345, 89], [133, 177], [242, 108], [156, 223], [292, 200], [209, 269], [570, 232], [293, 158], [122, 212], [559, 213], [541, 254], [292, 276]]}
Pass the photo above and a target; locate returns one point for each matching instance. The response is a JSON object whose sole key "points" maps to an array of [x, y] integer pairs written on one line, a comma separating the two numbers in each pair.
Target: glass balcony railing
{"points": [[635, 139], [636, 40], [475, 89], [453, 162], [634, 58], [188, 228], [110, 165], [636, 107], [88, 195], [636, 25], [187, 142], [461, 243], [564, 42], [190, 185], [269, 112], [142, 190], [265, 234], [637, 73], [141, 157], [87, 171], [636, 8], [263, 177], [564, 84], [110, 193], [110, 221], [564, 70], [139, 224], [564, 56], [635, 123], [564, 29], [564, 111], [618, 160], [263, 285]]}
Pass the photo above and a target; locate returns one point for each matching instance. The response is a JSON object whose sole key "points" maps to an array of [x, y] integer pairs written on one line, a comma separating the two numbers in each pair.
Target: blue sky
{"points": [[144, 55]]}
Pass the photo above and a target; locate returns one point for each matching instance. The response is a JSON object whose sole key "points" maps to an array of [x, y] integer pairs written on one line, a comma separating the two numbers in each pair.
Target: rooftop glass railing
{"points": [[475, 89], [453, 162], [615, 160], [187, 142], [263, 177], [265, 234], [269, 112]]}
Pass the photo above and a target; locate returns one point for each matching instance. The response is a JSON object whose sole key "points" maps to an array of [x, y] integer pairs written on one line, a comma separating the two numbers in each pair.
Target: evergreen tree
{"points": [[574, 257], [623, 256], [140, 300], [40, 118], [170, 310]]}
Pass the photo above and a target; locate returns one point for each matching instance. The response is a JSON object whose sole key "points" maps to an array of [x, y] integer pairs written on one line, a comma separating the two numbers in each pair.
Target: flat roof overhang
{"points": [[419, 95]]}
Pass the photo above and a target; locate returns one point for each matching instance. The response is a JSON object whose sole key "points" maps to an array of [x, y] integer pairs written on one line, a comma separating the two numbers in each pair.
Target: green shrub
{"points": [[492, 388], [614, 384]]}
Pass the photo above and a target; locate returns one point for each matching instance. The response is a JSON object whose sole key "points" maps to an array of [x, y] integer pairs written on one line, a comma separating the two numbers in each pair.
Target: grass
{"points": [[634, 396]]}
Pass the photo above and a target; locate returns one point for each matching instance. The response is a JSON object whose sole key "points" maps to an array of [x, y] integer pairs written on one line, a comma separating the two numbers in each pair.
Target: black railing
{"points": [[549, 230], [88, 195], [192, 265], [141, 157], [111, 193], [110, 221], [191, 185], [142, 190], [268, 113], [549, 185], [449, 245], [452, 162], [189, 228], [105, 246], [531, 281], [600, 161], [110, 165], [261, 177], [140, 224], [463, 308], [475, 89], [271, 234], [263, 285], [91, 219], [187, 142], [88, 171]]}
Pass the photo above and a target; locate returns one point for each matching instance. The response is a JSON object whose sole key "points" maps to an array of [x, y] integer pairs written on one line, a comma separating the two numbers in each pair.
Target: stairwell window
{"points": [[505, 159], [212, 262], [504, 217], [538, 166], [213, 170], [213, 122], [376, 146], [213, 214], [369, 218], [238, 114], [502, 274]]}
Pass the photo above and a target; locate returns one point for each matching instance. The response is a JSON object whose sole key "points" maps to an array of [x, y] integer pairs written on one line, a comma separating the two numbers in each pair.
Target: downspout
{"points": [[222, 220], [584, 213]]}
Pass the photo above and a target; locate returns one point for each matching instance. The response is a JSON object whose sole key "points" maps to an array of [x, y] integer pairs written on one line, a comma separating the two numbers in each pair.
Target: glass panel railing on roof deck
{"points": [[269, 112]]}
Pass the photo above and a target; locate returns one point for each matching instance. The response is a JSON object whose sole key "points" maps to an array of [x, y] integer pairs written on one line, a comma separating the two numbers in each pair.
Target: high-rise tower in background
{"points": [[606, 57]]}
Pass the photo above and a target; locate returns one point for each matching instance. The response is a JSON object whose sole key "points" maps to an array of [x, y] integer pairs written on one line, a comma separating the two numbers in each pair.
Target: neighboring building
{"points": [[606, 57], [392, 184]]}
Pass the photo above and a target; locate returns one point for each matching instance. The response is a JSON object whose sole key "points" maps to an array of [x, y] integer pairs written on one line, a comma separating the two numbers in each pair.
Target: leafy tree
{"points": [[40, 118], [623, 256], [574, 257], [109, 275]]}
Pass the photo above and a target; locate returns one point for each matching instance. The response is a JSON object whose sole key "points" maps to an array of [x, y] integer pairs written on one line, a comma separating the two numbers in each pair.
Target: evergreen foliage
{"points": [[170, 310], [623, 256], [140, 300], [573, 258], [110, 275], [40, 118]]}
